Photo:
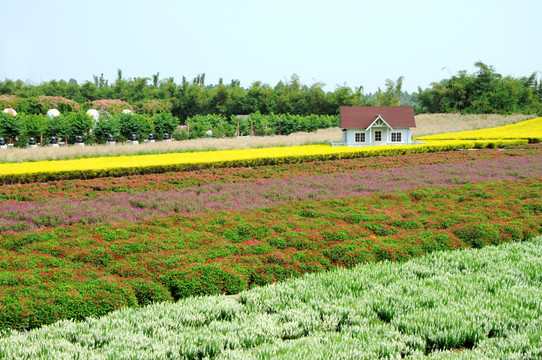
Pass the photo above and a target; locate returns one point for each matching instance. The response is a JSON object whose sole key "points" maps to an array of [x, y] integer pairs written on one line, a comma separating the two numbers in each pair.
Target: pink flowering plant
{"points": [[114, 106], [152, 107], [9, 101]]}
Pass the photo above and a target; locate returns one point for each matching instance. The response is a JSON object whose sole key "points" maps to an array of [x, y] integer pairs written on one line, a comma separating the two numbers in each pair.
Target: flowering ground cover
{"points": [[71, 249], [157, 163], [143, 205], [475, 304], [91, 188], [80, 270]]}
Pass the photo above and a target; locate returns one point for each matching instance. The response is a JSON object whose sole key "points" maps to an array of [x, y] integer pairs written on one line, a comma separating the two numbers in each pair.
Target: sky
{"points": [[336, 42]]}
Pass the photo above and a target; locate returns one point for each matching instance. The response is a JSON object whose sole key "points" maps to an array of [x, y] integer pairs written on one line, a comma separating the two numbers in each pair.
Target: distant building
{"points": [[377, 125]]}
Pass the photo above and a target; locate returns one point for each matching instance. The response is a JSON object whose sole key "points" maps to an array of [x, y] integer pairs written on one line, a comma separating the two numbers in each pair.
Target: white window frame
{"points": [[378, 135], [361, 137], [396, 136]]}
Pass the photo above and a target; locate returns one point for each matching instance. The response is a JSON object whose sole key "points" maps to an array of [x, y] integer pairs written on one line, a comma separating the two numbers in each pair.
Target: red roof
{"points": [[364, 116]]}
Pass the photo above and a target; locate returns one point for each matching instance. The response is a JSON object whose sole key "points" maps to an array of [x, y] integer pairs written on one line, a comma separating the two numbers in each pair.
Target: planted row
{"points": [[42, 171], [529, 130], [227, 252], [91, 188], [468, 304], [134, 206]]}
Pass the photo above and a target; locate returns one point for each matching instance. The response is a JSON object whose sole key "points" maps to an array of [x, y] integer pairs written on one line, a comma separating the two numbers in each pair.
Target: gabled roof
{"points": [[364, 116], [379, 122]]}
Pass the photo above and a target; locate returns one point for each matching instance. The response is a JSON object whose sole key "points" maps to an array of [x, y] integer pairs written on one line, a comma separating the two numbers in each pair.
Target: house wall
{"points": [[349, 136]]}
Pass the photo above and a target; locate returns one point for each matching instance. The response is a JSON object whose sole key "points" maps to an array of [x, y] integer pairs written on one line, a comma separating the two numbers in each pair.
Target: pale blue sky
{"points": [[333, 42]]}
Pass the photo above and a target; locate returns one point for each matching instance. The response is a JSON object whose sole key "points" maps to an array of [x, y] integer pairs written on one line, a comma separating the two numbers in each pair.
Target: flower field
{"points": [[476, 304], [40, 171], [73, 249], [156, 163], [76, 248], [529, 130]]}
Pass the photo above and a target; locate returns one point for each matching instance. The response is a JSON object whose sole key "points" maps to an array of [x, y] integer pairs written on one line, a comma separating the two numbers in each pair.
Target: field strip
{"points": [[124, 165], [474, 304], [529, 130], [144, 205]]}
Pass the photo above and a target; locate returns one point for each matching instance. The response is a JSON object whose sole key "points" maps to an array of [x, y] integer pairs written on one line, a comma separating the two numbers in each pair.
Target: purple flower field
{"points": [[32, 215]]}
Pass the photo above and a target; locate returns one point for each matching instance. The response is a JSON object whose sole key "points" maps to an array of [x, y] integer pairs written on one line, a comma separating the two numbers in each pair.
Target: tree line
{"points": [[190, 98], [484, 91]]}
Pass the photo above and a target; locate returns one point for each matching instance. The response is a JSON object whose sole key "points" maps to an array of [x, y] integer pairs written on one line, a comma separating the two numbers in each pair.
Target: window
{"points": [[395, 137], [359, 137], [378, 135]]}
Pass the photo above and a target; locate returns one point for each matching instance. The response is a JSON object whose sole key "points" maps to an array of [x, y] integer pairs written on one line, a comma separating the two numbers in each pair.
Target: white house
{"points": [[377, 125]]}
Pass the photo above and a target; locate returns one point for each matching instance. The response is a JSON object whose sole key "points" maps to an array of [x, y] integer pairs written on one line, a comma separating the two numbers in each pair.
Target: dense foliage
{"points": [[18, 129], [483, 92]]}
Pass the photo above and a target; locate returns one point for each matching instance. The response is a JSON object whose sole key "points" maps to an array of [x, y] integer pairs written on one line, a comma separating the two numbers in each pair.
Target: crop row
{"points": [[530, 130], [469, 304], [142, 205], [91, 188], [81, 270], [158, 163]]}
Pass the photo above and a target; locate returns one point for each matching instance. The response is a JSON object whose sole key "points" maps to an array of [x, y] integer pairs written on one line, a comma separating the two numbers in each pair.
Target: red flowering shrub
{"points": [[203, 280]]}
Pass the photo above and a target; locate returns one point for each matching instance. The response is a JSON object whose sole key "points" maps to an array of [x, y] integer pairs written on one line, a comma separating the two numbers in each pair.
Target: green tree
{"points": [[164, 123], [392, 95], [10, 126], [33, 125], [104, 127], [140, 125], [79, 124]]}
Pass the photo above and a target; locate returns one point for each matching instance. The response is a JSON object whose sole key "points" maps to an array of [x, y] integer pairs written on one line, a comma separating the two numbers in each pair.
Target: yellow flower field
{"points": [[529, 130], [124, 165]]}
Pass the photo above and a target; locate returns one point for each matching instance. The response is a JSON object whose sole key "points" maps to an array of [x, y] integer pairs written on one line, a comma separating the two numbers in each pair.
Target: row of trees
{"points": [[19, 129], [257, 124], [188, 99], [484, 91]]}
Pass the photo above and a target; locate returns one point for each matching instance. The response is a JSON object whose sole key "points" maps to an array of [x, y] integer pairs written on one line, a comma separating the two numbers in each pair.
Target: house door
{"points": [[377, 139]]}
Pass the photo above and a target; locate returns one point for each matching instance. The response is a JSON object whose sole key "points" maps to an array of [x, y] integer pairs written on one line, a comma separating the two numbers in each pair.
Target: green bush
{"points": [[164, 122], [478, 235], [106, 126], [140, 125], [33, 306], [203, 280], [148, 291], [349, 254]]}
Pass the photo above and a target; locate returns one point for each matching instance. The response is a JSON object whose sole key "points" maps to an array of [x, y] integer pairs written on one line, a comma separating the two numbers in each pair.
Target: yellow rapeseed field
{"points": [[529, 130]]}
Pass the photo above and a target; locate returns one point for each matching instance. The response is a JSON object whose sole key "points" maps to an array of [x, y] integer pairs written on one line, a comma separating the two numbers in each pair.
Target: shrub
{"points": [[478, 235], [203, 280], [106, 126], [113, 106], [349, 254], [140, 125], [148, 291], [10, 126], [164, 122]]}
